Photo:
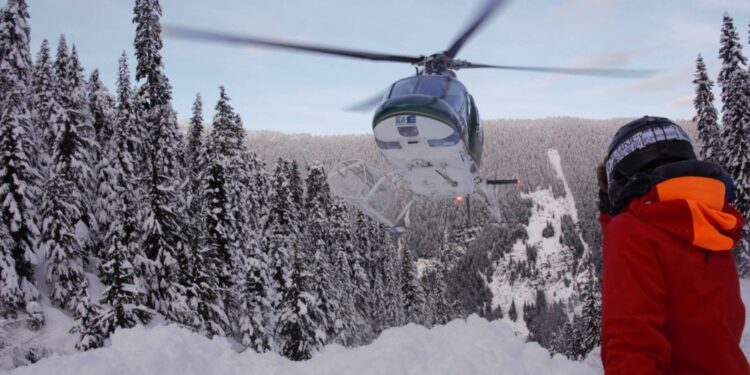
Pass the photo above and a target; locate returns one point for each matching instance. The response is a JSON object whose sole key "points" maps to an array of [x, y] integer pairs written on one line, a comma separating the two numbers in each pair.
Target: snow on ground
{"points": [[553, 258], [471, 346], [425, 265]]}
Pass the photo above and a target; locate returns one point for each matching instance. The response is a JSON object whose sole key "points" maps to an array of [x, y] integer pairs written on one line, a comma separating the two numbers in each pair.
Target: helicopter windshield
{"points": [[448, 89]]}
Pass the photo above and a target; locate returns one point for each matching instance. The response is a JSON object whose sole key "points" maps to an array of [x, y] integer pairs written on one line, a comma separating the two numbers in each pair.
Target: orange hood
{"points": [[694, 209]]}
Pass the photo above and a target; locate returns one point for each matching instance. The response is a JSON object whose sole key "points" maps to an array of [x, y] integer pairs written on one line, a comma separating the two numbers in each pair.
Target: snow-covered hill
{"points": [[544, 261], [471, 346]]}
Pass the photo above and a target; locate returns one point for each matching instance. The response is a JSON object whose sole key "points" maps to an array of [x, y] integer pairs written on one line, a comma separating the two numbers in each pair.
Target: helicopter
{"points": [[427, 126]]}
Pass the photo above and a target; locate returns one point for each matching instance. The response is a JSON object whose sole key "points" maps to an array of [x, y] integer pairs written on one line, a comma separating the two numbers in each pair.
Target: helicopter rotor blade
{"points": [[594, 72], [489, 9], [182, 32], [367, 104]]}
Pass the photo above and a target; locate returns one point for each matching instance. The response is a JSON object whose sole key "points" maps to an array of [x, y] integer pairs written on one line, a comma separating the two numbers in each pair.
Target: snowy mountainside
{"points": [[544, 261], [471, 346], [512, 149]]}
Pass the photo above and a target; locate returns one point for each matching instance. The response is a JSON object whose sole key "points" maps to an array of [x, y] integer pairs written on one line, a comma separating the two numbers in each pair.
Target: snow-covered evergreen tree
{"points": [[102, 107], [437, 302], [255, 288], [411, 287], [9, 290], [296, 324], [221, 255], [163, 210], [734, 80], [281, 230], [297, 188], [47, 111], [65, 203], [124, 296], [367, 287], [350, 280], [256, 321], [706, 118], [591, 318], [65, 253], [18, 177], [195, 135], [731, 80], [75, 161], [513, 311], [89, 333], [392, 280], [318, 248]]}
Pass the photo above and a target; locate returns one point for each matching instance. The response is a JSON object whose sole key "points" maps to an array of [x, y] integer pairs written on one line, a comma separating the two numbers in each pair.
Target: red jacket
{"points": [[670, 291]]}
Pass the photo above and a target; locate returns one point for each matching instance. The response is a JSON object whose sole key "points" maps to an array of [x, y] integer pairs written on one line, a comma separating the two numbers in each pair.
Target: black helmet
{"points": [[639, 147]]}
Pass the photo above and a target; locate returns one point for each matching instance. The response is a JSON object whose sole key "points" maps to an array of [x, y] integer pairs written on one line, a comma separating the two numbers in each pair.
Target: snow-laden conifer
{"points": [[163, 209], [73, 155], [438, 309], [124, 296], [706, 118], [590, 317], [257, 319], [281, 231], [367, 291], [47, 111], [297, 313], [221, 255], [9, 289], [395, 314], [65, 203], [731, 80], [734, 81], [350, 280], [65, 253], [297, 189], [102, 108], [18, 176], [319, 252], [195, 136], [411, 288], [256, 287], [89, 333]]}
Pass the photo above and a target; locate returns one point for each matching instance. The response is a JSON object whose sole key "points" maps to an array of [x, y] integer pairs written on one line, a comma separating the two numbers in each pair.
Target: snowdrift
{"points": [[471, 346]]}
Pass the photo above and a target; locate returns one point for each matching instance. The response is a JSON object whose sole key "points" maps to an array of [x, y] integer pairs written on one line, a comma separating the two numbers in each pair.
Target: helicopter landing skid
{"points": [[376, 194]]}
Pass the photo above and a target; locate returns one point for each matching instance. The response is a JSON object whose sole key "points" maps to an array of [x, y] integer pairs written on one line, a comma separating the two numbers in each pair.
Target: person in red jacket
{"points": [[670, 291]]}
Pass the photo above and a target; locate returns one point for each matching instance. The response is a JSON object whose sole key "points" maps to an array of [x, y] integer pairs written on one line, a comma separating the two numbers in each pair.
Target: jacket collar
{"points": [[642, 183]]}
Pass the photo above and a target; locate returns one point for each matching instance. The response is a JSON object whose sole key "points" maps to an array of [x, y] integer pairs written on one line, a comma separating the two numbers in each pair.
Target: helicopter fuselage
{"points": [[429, 131]]}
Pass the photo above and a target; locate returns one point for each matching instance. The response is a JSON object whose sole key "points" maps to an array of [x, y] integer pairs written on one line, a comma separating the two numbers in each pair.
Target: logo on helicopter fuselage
{"points": [[406, 120]]}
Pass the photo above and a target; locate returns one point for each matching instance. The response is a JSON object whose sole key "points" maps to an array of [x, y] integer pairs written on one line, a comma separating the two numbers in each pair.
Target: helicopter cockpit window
{"points": [[404, 87], [450, 90]]}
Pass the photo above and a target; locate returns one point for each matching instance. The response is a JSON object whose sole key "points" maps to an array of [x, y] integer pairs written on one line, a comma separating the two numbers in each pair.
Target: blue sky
{"points": [[302, 93]]}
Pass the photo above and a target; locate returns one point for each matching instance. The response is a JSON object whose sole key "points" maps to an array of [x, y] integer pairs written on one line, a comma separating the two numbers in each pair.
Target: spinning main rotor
{"points": [[437, 63]]}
